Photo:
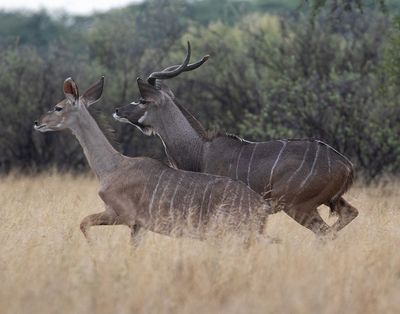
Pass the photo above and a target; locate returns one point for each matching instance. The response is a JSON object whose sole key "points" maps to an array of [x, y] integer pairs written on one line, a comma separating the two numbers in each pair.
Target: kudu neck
{"points": [[101, 155], [183, 143]]}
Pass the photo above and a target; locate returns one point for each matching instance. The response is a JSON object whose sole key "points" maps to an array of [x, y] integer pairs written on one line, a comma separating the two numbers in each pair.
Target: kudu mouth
{"points": [[44, 127], [119, 118], [39, 127], [123, 118]]}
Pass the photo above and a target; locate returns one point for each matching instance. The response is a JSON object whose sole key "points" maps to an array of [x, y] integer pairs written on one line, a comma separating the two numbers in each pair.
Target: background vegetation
{"points": [[324, 69]]}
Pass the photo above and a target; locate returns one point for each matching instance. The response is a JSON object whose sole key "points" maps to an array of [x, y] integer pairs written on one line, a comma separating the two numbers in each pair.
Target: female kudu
{"points": [[142, 192], [299, 175]]}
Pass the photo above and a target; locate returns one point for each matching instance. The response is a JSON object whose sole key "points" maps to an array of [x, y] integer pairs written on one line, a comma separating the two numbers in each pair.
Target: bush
{"points": [[335, 79], [301, 80]]}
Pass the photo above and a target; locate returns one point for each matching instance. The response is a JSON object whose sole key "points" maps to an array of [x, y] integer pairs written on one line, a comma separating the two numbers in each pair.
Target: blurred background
{"points": [[326, 69]]}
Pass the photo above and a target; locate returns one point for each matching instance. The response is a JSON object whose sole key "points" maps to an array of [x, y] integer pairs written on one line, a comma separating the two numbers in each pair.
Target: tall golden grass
{"points": [[46, 266]]}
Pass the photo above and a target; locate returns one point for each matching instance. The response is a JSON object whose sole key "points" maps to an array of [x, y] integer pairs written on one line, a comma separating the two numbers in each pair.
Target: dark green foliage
{"points": [[336, 79], [346, 5], [28, 86], [302, 81], [392, 55]]}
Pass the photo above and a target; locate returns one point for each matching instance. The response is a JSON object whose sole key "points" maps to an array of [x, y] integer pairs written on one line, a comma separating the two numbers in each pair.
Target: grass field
{"points": [[46, 266]]}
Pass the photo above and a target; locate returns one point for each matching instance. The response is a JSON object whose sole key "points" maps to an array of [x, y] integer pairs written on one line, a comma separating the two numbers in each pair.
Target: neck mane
{"points": [[196, 125]]}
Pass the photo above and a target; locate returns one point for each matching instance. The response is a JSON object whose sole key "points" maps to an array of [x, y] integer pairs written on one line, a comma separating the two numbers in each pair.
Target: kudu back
{"points": [[297, 174], [144, 193]]}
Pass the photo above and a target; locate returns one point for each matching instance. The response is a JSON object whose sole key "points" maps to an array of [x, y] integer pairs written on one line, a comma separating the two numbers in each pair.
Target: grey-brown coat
{"points": [[297, 174], [142, 192]]}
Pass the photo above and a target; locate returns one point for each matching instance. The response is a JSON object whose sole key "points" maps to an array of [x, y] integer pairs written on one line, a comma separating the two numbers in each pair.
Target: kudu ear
{"points": [[93, 93], [147, 91], [71, 90]]}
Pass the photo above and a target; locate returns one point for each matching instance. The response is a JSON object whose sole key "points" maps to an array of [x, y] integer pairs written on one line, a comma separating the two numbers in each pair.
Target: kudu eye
{"points": [[58, 109]]}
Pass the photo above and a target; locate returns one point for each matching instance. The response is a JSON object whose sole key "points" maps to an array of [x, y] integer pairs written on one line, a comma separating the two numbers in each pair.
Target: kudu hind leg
{"points": [[345, 211], [104, 218], [311, 220]]}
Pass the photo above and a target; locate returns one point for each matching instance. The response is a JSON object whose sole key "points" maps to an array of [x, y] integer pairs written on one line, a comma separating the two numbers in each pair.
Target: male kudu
{"points": [[299, 175], [142, 192]]}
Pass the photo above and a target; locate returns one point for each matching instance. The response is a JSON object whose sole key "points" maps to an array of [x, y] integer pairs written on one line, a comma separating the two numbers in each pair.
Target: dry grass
{"points": [[47, 267]]}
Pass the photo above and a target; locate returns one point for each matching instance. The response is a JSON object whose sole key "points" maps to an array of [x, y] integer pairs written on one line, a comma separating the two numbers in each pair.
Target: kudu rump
{"points": [[142, 192], [298, 175]]}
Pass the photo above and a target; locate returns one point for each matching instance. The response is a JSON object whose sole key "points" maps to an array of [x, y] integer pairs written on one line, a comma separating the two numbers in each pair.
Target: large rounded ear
{"points": [[93, 93], [71, 90], [147, 91]]}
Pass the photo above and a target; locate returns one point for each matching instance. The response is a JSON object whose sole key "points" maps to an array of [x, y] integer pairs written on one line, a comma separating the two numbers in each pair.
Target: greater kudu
{"points": [[143, 192], [298, 174]]}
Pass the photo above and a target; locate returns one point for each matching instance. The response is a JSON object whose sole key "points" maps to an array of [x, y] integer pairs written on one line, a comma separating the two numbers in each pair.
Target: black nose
{"points": [[36, 122], [116, 110]]}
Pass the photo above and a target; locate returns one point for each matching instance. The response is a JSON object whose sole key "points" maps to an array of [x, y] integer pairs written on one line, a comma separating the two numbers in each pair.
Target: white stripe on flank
{"points": [[237, 162], [312, 167], [202, 201], [234, 196], [329, 159], [230, 163], [165, 188], [149, 177], [193, 196], [223, 194], [204, 195], [348, 169], [250, 162], [301, 165], [185, 199], [178, 182], [248, 198], [240, 201], [209, 200], [154, 193], [337, 152], [284, 143]]}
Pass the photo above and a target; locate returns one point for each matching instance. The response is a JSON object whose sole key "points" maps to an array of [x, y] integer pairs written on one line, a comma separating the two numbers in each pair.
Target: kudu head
{"points": [[157, 101], [66, 113]]}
